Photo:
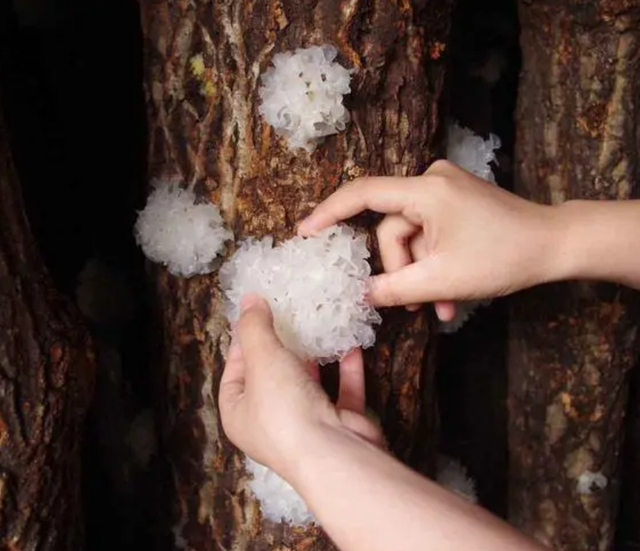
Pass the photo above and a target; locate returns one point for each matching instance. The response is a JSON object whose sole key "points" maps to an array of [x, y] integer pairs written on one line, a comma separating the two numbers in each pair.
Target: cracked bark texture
{"points": [[205, 129], [46, 376], [572, 345]]}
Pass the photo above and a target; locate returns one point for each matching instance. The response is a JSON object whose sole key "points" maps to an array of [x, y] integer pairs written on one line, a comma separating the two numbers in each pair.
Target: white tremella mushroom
{"points": [[279, 502], [588, 482], [474, 154], [453, 476], [302, 96], [316, 288], [177, 230]]}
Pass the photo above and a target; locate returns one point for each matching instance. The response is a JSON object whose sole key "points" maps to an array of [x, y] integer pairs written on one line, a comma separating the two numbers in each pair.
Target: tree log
{"points": [[46, 377], [628, 534], [207, 131], [572, 345]]}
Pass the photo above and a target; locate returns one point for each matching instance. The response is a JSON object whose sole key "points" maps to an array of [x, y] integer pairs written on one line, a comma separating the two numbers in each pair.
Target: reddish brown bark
{"points": [[46, 374], [573, 344], [207, 130]]}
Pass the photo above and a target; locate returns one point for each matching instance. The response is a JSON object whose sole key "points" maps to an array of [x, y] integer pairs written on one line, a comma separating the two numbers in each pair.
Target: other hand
{"points": [[447, 235], [271, 403]]}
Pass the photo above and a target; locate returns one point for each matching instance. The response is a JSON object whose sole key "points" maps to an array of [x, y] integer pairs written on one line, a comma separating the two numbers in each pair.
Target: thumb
{"points": [[255, 331]]}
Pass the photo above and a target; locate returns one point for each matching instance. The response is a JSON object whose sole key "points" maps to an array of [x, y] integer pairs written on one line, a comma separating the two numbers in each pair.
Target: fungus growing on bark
{"points": [[472, 152], [453, 476], [588, 482], [316, 288], [302, 96], [278, 500], [180, 232]]}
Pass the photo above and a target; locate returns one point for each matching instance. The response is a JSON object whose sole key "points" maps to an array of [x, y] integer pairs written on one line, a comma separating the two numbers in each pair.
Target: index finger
{"points": [[383, 194]]}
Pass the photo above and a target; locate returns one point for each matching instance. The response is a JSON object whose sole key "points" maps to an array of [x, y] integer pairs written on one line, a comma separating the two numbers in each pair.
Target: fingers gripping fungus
{"points": [[176, 230], [302, 96], [473, 154], [315, 286]]}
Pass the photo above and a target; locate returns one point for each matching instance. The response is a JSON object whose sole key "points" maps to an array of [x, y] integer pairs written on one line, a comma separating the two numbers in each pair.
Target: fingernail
{"points": [[248, 301], [305, 227], [445, 311]]}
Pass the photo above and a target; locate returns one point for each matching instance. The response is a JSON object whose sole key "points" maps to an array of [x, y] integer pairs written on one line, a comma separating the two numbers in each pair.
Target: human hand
{"points": [[272, 404], [447, 235]]}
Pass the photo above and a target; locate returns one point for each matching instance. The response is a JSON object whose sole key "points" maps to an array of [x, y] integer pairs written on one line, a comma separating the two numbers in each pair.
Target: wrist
{"points": [[322, 443], [560, 257], [591, 240], [544, 246]]}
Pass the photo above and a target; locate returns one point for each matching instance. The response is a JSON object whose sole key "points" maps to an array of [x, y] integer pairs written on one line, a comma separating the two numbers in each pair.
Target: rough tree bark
{"points": [[46, 377], [573, 344], [206, 129]]}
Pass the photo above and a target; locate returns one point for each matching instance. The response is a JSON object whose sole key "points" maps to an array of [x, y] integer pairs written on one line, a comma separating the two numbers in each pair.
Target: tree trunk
{"points": [[207, 130], [628, 536], [45, 384], [573, 344]]}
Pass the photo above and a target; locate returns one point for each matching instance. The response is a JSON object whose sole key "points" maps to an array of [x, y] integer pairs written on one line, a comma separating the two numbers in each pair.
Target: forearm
{"points": [[599, 240], [367, 500]]}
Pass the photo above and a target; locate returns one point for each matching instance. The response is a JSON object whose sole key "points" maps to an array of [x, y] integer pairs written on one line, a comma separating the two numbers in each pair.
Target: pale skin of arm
{"points": [[367, 500], [451, 236], [273, 409], [447, 236]]}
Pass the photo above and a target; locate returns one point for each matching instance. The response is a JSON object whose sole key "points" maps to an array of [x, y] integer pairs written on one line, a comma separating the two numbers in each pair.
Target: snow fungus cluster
{"points": [[316, 286], [302, 96]]}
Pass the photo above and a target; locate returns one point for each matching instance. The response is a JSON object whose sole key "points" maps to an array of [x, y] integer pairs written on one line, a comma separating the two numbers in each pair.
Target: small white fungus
{"points": [[589, 481], [302, 95], [474, 154], [315, 286], [176, 230], [179, 541], [453, 476], [278, 500]]}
